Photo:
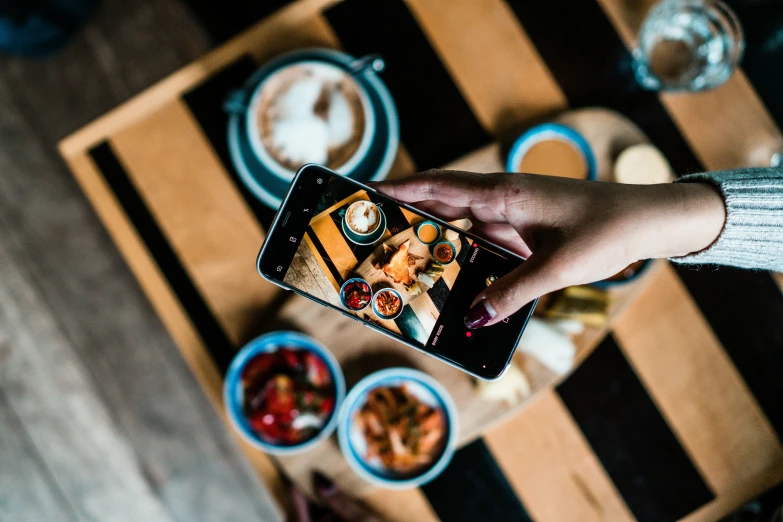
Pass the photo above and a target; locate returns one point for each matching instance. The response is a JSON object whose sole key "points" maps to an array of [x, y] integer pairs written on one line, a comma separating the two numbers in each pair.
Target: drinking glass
{"points": [[688, 45]]}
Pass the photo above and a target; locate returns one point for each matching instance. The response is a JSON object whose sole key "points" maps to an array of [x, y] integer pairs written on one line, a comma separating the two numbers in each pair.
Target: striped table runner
{"points": [[677, 414]]}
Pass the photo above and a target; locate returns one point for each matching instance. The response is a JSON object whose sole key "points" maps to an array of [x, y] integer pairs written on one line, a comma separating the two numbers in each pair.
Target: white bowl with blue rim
{"points": [[233, 390], [259, 175], [390, 291], [547, 132], [354, 446]]}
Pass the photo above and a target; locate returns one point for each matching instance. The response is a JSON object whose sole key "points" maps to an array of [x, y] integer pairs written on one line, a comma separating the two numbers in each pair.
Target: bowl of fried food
{"points": [[398, 428]]}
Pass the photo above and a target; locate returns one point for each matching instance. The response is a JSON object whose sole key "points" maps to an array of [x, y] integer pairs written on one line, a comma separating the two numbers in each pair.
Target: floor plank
{"points": [[187, 459], [47, 389], [27, 489]]}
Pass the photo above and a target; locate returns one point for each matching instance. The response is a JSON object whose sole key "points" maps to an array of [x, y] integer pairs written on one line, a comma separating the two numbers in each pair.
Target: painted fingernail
{"points": [[322, 484], [481, 313]]}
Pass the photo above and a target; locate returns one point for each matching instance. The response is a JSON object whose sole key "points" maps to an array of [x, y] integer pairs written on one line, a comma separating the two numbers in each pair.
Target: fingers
{"points": [[458, 189], [508, 294], [444, 211], [503, 235]]}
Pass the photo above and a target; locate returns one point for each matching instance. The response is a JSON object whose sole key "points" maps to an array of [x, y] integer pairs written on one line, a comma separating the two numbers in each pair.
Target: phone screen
{"points": [[391, 267]]}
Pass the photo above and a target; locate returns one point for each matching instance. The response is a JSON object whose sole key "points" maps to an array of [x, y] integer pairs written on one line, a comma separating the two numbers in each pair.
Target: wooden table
{"points": [[666, 417]]}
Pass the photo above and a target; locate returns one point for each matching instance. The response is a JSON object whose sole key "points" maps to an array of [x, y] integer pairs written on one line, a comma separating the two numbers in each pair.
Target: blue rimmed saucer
{"points": [[552, 131], [270, 188]]}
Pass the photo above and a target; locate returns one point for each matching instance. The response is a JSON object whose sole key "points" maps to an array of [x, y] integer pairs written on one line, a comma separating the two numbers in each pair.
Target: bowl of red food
{"points": [[282, 392], [356, 294]]}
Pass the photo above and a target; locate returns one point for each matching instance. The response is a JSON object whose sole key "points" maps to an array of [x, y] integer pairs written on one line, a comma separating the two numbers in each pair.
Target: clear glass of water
{"points": [[688, 45]]}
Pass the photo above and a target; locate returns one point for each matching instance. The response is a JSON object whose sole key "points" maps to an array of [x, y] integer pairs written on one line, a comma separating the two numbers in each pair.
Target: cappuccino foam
{"points": [[311, 113], [362, 217]]}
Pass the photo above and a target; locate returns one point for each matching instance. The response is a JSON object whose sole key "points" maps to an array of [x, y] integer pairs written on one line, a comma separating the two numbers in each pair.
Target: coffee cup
{"points": [[553, 149], [363, 219], [311, 111]]}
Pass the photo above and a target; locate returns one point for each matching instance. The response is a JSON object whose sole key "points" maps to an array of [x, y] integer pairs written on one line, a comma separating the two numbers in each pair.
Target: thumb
{"points": [[511, 292]]}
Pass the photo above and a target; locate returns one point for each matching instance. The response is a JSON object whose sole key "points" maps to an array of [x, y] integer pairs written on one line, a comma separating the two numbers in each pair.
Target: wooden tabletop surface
{"points": [[672, 415]]}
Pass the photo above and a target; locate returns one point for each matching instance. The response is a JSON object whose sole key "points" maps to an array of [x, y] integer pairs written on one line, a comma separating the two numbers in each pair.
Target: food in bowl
{"points": [[387, 303], [356, 294], [400, 430], [288, 395], [444, 252], [428, 232]]}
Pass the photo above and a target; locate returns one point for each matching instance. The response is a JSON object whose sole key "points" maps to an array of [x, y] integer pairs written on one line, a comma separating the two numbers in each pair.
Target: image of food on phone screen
{"points": [[391, 266]]}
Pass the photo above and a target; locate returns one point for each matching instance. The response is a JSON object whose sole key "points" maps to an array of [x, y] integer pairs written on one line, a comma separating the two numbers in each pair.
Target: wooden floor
{"points": [[99, 417]]}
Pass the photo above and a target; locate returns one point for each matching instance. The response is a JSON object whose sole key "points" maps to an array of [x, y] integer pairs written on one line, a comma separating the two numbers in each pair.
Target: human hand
{"points": [[571, 232]]}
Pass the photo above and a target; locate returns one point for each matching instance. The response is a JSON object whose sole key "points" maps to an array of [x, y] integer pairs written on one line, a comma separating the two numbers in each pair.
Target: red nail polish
{"points": [[478, 316]]}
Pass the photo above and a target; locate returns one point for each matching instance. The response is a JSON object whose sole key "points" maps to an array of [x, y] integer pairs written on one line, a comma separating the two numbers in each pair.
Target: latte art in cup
{"points": [[311, 113], [363, 217]]}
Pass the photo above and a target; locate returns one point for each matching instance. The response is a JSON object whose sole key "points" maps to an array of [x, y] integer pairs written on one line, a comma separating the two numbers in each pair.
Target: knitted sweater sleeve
{"points": [[752, 236]]}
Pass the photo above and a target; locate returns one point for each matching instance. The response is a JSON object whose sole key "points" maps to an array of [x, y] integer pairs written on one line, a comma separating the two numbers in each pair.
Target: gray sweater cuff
{"points": [[752, 236]]}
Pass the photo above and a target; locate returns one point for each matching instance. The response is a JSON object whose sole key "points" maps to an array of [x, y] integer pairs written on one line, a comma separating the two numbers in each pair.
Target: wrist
{"points": [[681, 218]]}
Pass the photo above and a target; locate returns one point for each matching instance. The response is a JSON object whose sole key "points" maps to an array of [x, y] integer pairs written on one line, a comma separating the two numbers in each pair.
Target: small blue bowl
{"points": [[233, 390], [453, 251], [437, 228], [548, 131], [426, 389], [354, 280], [375, 307]]}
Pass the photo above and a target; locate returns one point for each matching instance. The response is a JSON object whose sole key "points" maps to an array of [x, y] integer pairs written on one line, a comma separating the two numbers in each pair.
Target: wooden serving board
{"points": [[369, 269]]}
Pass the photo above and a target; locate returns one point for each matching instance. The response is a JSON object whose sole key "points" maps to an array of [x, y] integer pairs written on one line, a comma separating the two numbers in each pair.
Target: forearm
{"points": [[752, 235]]}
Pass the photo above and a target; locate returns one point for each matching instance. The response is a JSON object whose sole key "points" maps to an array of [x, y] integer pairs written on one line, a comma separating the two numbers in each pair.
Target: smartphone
{"points": [[343, 244]]}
